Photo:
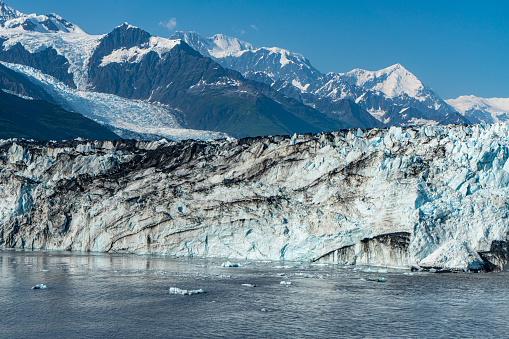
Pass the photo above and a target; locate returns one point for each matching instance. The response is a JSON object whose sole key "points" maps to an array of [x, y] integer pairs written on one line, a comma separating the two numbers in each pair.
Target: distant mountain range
{"points": [[394, 96], [189, 86], [487, 110]]}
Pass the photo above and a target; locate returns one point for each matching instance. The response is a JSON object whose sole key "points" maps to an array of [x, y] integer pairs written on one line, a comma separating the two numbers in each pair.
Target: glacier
{"points": [[434, 197], [145, 119]]}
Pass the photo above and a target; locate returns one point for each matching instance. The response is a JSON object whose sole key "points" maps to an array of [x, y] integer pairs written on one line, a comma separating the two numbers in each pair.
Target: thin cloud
{"points": [[242, 31], [170, 24], [254, 27]]}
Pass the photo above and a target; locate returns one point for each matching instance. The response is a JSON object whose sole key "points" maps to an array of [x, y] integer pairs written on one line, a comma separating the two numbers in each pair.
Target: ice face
{"points": [[435, 196]]}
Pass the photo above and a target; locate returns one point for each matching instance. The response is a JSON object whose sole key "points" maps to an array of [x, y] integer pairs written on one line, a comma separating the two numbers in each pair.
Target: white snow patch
{"points": [[420, 122], [303, 88], [136, 54]]}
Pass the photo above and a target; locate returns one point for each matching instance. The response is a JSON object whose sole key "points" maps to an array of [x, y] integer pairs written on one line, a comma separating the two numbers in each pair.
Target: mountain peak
{"points": [[393, 81], [8, 13], [127, 26], [395, 67], [15, 20], [217, 46]]}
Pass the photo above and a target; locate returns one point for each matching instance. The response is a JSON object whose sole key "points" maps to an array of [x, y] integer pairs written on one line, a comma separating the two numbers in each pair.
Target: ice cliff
{"points": [[435, 197]]}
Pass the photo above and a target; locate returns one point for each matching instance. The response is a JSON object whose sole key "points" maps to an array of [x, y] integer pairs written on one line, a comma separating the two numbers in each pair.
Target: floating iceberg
{"points": [[229, 264], [249, 285], [40, 287], [176, 290], [285, 283]]}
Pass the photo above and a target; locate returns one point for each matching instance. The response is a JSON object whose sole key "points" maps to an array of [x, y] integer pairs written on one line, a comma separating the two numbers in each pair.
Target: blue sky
{"points": [[455, 47]]}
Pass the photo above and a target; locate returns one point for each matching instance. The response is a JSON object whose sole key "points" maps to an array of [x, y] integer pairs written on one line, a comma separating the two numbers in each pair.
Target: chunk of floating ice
{"points": [[371, 270], [176, 290], [266, 310], [39, 287], [229, 264], [249, 285], [285, 283]]}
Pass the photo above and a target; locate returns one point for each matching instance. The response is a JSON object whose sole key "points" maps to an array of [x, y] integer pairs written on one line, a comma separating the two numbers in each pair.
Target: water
{"points": [[126, 296]]}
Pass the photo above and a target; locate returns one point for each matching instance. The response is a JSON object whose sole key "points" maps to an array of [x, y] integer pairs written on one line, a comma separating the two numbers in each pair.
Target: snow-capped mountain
{"points": [[7, 13], [258, 63], [487, 110], [400, 85], [393, 81], [392, 95], [130, 63], [288, 72], [46, 42]]}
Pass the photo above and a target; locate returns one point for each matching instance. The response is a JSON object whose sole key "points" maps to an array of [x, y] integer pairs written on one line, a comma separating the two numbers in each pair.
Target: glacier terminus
{"points": [[433, 197]]}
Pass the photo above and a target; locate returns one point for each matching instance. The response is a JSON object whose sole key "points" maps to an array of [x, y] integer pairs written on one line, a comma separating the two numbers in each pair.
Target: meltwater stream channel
{"points": [[126, 296]]}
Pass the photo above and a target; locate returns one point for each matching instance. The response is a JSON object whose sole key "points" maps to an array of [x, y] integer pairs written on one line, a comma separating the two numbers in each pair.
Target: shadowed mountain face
{"points": [[42, 120], [47, 60]]}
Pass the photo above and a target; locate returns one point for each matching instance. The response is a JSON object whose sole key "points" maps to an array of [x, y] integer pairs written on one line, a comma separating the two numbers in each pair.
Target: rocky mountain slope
{"points": [[431, 196]]}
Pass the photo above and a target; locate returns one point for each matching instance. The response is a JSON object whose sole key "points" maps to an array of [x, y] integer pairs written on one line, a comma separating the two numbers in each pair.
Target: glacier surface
{"points": [[434, 196]]}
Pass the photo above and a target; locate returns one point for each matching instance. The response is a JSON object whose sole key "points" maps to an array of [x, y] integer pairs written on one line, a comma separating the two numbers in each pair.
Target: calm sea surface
{"points": [[126, 296]]}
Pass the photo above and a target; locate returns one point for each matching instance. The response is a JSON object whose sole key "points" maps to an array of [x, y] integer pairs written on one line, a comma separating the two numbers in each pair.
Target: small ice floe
{"points": [[44, 271], [371, 270], [229, 264], [249, 285], [176, 290], [285, 283], [374, 279], [40, 287], [267, 310]]}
